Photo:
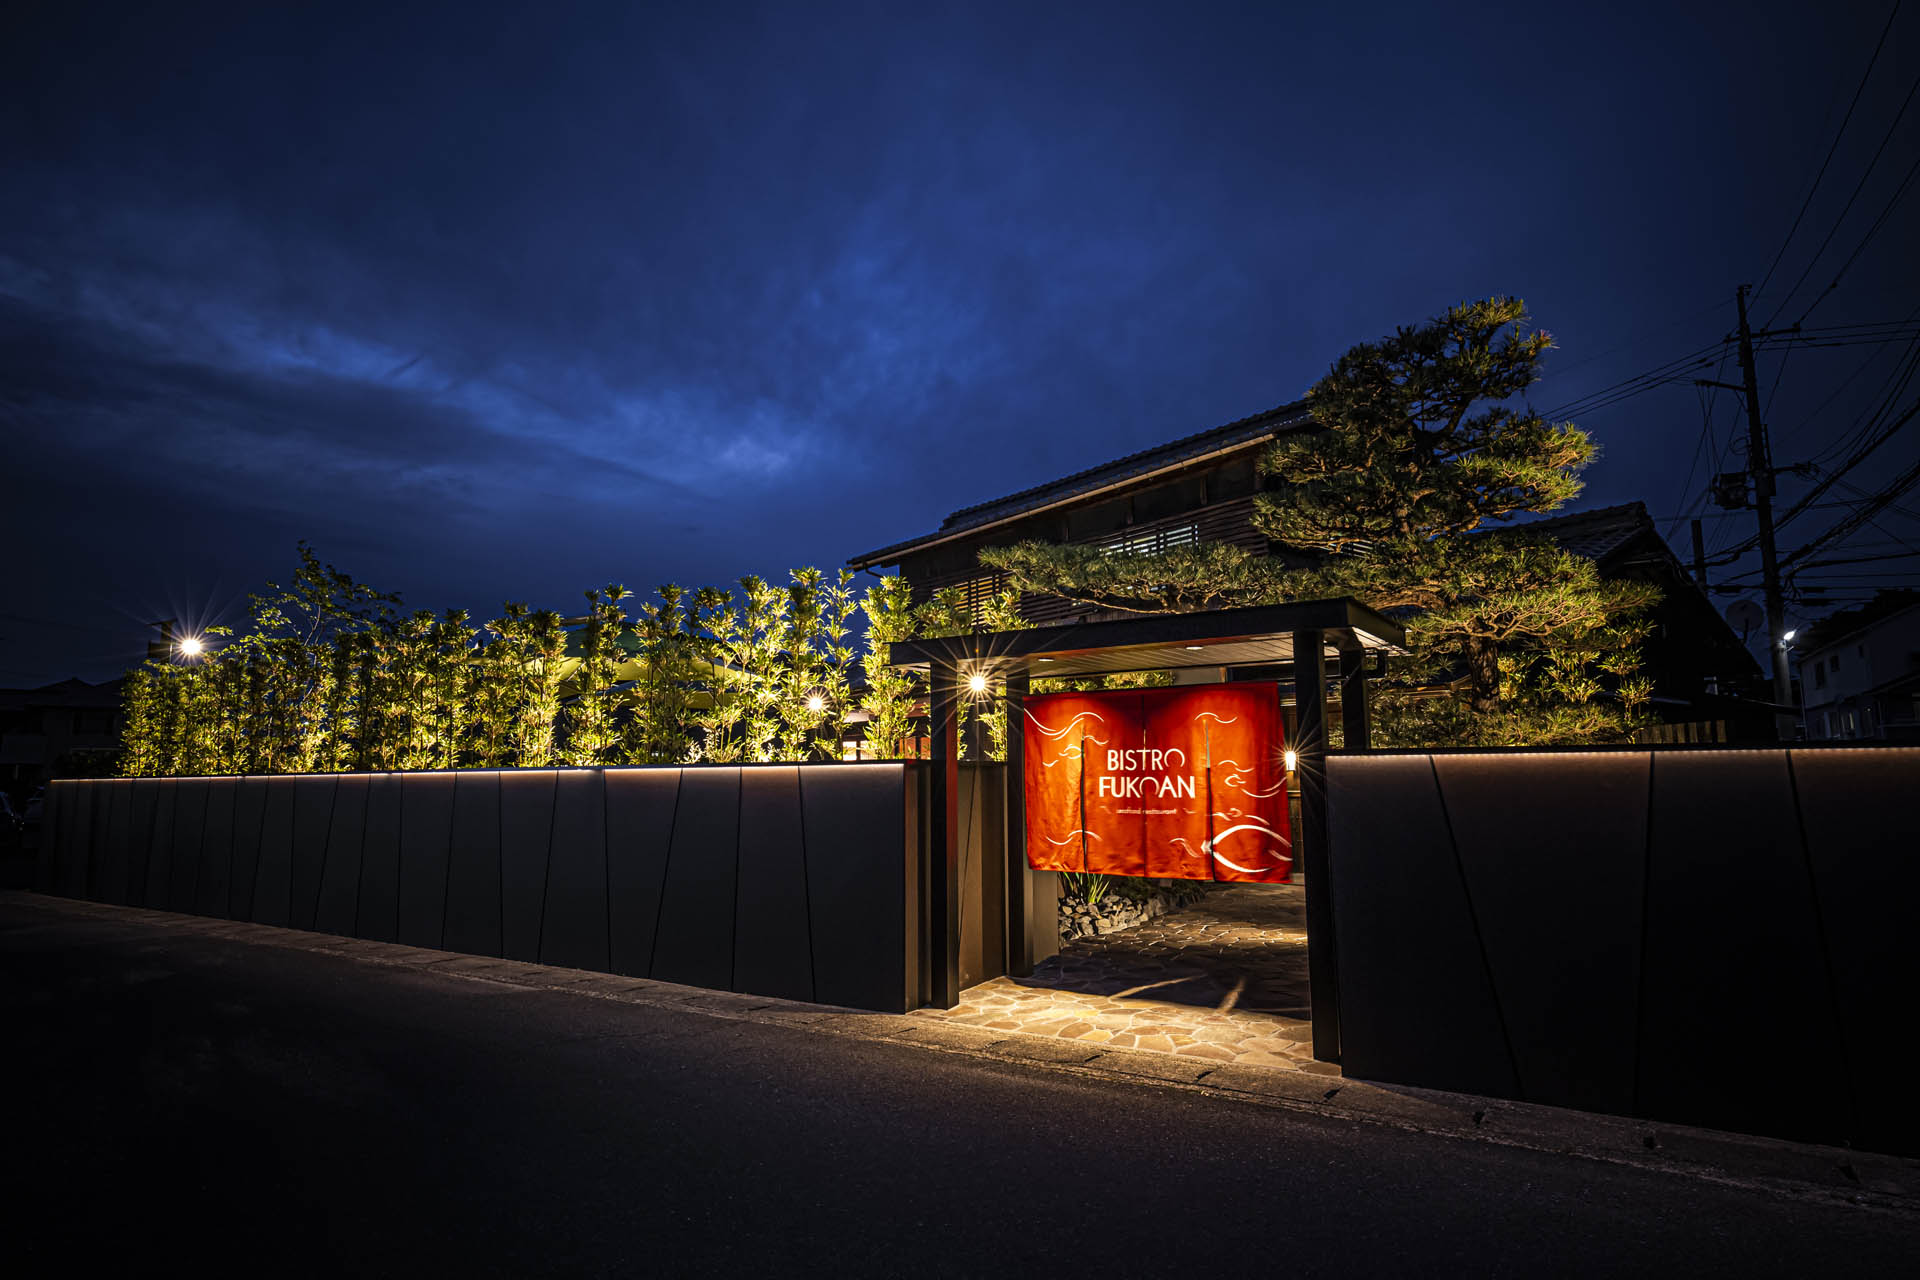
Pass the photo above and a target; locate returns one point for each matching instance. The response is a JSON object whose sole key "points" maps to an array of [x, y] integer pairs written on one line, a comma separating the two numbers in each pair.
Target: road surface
{"points": [[181, 1100]]}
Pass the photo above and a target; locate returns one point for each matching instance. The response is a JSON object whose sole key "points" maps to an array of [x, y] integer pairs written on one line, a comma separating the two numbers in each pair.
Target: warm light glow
{"points": [[192, 647], [977, 683], [1194, 648], [816, 703], [1293, 758]]}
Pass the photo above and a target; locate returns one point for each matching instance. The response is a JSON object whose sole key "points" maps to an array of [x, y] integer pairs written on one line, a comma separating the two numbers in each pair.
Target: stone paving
{"points": [[1223, 980]]}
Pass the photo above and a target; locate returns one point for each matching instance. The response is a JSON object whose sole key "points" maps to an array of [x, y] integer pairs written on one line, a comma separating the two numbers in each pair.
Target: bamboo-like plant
{"points": [[717, 630], [544, 648], [891, 692], [593, 729], [799, 698], [452, 655], [837, 606], [139, 732], [662, 725], [331, 678]]}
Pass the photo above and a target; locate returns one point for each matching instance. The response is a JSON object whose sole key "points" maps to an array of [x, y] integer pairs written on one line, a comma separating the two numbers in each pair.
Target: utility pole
{"points": [[1760, 469], [1699, 556]]}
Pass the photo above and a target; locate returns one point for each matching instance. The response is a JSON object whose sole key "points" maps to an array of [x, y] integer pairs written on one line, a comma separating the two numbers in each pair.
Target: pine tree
{"points": [[1422, 450]]}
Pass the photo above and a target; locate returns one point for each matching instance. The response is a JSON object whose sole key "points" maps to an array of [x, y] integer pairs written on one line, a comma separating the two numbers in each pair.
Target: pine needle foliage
{"points": [[1423, 450]]}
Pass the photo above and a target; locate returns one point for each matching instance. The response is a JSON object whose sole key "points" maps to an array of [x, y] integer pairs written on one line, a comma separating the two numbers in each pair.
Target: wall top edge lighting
{"points": [[1645, 748], [530, 769]]}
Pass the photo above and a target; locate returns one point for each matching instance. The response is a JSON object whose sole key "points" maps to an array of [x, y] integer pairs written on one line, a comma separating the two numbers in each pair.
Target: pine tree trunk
{"points": [[1483, 675]]}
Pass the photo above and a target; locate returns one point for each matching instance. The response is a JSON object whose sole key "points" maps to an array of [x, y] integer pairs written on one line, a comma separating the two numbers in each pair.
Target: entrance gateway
{"points": [[1296, 638]]}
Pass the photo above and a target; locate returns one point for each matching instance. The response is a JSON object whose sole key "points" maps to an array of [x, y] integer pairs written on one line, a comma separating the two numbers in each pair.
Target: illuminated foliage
{"points": [[332, 677], [1423, 450], [593, 732], [891, 693]]}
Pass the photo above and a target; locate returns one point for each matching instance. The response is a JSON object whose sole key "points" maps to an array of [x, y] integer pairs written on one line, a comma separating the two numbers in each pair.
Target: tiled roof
{"points": [[1093, 479], [1597, 534]]}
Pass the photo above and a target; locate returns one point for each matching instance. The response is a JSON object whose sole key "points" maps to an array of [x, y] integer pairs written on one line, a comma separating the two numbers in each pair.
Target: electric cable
{"points": [[1838, 135]]}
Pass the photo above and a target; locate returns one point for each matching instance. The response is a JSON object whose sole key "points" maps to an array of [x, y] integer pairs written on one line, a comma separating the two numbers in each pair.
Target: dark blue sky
{"points": [[502, 305]]}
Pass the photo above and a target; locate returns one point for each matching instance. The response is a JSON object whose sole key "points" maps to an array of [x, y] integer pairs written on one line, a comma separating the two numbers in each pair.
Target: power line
{"points": [[1898, 194], [1846, 208], [1847, 524], [1672, 371], [1841, 133]]}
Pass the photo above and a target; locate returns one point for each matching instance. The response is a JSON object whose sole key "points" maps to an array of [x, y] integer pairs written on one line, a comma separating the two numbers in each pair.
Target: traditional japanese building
{"points": [[1202, 488]]}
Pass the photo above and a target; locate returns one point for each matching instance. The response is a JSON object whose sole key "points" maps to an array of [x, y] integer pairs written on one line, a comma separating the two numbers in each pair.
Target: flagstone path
{"points": [[1224, 979]]}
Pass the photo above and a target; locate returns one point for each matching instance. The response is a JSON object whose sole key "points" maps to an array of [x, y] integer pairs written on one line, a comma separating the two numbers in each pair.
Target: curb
{"points": [[1798, 1170]]}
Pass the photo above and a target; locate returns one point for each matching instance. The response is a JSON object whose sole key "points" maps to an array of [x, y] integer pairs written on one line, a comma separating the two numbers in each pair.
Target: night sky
{"points": [[503, 304]]}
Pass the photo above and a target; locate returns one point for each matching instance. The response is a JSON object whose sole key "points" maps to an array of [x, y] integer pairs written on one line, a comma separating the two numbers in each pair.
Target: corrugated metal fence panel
{"points": [[1413, 973], [1556, 890], [426, 837], [214, 880], [311, 814], [473, 875], [1856, 807], [251, 809], [526, 834], [1643, 927], [785, 881], [273, 872], [189, 825], [574, 926], [861, 890], [694, 943], [641, 809], [1732, 951], [337, 909], [771, 918]]}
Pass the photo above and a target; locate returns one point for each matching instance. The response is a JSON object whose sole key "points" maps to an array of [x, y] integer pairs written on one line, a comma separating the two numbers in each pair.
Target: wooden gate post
{"points": [[1355, 723], [1310, 774], [943, 835], [1020, 957]]}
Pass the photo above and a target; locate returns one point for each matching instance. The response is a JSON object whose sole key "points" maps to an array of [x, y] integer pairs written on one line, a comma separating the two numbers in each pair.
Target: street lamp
{"points": [[192, 647]]}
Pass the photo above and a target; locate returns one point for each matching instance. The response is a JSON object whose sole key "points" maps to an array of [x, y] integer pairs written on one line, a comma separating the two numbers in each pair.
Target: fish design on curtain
{"points": [[1184, 783]]}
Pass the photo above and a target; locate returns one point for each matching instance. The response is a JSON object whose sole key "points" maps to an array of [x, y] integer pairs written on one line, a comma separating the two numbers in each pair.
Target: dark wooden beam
{"points": [[1004, 650], [1310, 777], [943, 836], [1356, 730], [1020, 957]]}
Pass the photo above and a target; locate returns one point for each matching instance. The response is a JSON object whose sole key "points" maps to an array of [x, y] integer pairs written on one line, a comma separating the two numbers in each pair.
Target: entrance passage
{"points": [[1223, 979]]}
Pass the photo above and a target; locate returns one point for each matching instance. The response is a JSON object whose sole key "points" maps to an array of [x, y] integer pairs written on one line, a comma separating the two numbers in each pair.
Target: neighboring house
{"points": [[1202, 489], [1860, 673], [55, 725]]}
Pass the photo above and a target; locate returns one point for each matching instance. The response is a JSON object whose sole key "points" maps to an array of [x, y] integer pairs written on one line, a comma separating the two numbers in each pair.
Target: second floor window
{"points": [[1152, 541]]}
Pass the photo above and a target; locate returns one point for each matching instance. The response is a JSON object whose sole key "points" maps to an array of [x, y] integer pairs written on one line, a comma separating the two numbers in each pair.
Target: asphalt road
{"points": [[186, 1101]]}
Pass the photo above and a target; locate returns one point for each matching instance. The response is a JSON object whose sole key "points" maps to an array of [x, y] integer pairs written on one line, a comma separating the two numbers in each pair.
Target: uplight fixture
{"points": [[816, 703]]}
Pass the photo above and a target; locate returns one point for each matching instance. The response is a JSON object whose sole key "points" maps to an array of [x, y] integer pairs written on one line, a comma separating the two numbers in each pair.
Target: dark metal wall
{"points": [[771, 879], [1712, 937]]}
